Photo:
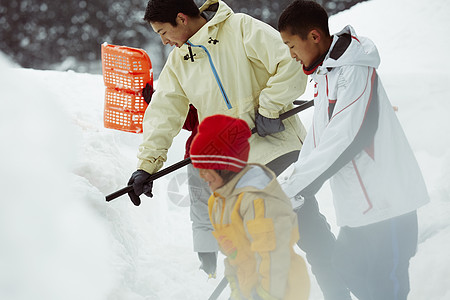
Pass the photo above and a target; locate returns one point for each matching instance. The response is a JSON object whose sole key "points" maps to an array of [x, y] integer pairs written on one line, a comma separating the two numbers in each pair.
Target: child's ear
{"points": [[315, 36]]}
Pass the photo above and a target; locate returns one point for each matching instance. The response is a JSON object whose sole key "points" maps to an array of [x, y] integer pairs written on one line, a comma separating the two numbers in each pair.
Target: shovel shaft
{"points": [[220, 287], [153, 177], [303, 105]]}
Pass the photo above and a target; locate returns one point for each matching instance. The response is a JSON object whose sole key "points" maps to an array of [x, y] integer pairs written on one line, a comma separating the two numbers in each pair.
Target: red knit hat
{"points": [[221, 144]]}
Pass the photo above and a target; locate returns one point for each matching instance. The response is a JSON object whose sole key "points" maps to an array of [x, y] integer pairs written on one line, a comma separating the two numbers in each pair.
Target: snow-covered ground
{"points": [[60, 239]]}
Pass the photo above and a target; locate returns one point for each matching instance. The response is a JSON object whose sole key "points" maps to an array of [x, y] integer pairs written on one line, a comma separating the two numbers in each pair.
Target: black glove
{"points": [[141, 185], [147, 93], [209, 263], [266, 126]]}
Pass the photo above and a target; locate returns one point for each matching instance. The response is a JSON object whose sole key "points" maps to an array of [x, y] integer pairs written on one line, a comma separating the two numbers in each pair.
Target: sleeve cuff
{"points": [[268, 114], [149, 167]]}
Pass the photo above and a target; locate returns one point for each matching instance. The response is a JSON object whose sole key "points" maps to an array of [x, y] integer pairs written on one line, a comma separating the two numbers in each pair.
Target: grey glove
{"points": [[209, 263], [297, 202], [266, 126], [141, 185]]}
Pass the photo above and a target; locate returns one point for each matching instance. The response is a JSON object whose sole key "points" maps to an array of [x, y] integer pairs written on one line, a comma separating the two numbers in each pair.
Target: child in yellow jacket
{"points": [[252, 217]]}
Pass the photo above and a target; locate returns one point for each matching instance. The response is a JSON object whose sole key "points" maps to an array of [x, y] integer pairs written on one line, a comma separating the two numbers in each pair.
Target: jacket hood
{"points": [[261, 179], [349, 49], [222, 12], [209, 30]]}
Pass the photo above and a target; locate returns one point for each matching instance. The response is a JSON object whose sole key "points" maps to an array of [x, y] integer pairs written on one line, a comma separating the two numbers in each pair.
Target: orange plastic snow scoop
{"points": [[126, 71]]}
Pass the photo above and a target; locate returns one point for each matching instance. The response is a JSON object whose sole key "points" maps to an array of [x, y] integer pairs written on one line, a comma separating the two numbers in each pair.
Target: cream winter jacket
{"points": [[256, 72], [356, 140], [256, 229]]}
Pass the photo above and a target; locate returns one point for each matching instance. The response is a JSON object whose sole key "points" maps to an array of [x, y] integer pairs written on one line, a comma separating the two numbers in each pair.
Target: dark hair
{"points": [[166, 11], [300, 17], [226, 175]]}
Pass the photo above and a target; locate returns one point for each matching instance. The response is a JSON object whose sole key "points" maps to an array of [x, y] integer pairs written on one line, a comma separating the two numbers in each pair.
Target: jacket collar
{"points": [[229, 189], [315, 65]]}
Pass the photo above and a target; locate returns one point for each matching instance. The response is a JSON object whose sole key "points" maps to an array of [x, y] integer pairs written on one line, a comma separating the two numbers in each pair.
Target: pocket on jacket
{"points": [[262, 232]]}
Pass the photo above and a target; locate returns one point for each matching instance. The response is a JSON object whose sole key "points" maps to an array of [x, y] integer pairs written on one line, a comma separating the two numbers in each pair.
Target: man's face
{"points": [[172, 35], [305, 51]]}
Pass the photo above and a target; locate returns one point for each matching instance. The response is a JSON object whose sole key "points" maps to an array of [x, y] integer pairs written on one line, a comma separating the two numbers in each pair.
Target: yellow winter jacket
{"points": [[256, 229], [256, 71]]}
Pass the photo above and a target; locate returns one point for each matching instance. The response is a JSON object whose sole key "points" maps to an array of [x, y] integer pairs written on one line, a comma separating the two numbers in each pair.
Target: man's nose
{"points": [[292, 54], [164, 40]]}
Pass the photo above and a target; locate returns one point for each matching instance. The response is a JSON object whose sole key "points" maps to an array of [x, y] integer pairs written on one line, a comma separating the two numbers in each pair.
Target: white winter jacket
{"points": [[356, 140], [256, 72]]}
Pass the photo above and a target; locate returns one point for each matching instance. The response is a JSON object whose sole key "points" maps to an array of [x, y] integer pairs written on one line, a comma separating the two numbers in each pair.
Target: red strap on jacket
{"points": [[190, 124]]}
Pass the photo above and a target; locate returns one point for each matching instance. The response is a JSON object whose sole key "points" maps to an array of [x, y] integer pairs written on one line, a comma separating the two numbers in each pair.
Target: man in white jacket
{"points": [[357, 142]]}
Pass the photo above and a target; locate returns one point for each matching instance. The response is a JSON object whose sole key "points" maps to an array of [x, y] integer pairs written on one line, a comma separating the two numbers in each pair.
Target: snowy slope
{"points": [[59, 239]]}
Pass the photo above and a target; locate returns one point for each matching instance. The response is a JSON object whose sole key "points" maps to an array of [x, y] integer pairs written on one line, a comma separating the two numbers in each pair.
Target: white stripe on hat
{"points": [[206, 159], [220, 157], [239, 166]]}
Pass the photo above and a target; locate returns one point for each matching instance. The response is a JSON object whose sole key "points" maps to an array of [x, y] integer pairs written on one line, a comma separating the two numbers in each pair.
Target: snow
{"points": [[60, 239]]}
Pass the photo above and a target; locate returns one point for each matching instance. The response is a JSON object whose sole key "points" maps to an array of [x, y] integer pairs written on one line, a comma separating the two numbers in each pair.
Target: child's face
{"points": [[212, 178], [305, 51]]}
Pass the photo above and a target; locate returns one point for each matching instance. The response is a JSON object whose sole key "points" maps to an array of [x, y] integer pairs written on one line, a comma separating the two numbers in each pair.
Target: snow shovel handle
{"points": [[218, 290], [153, 177], [302, 106]]}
